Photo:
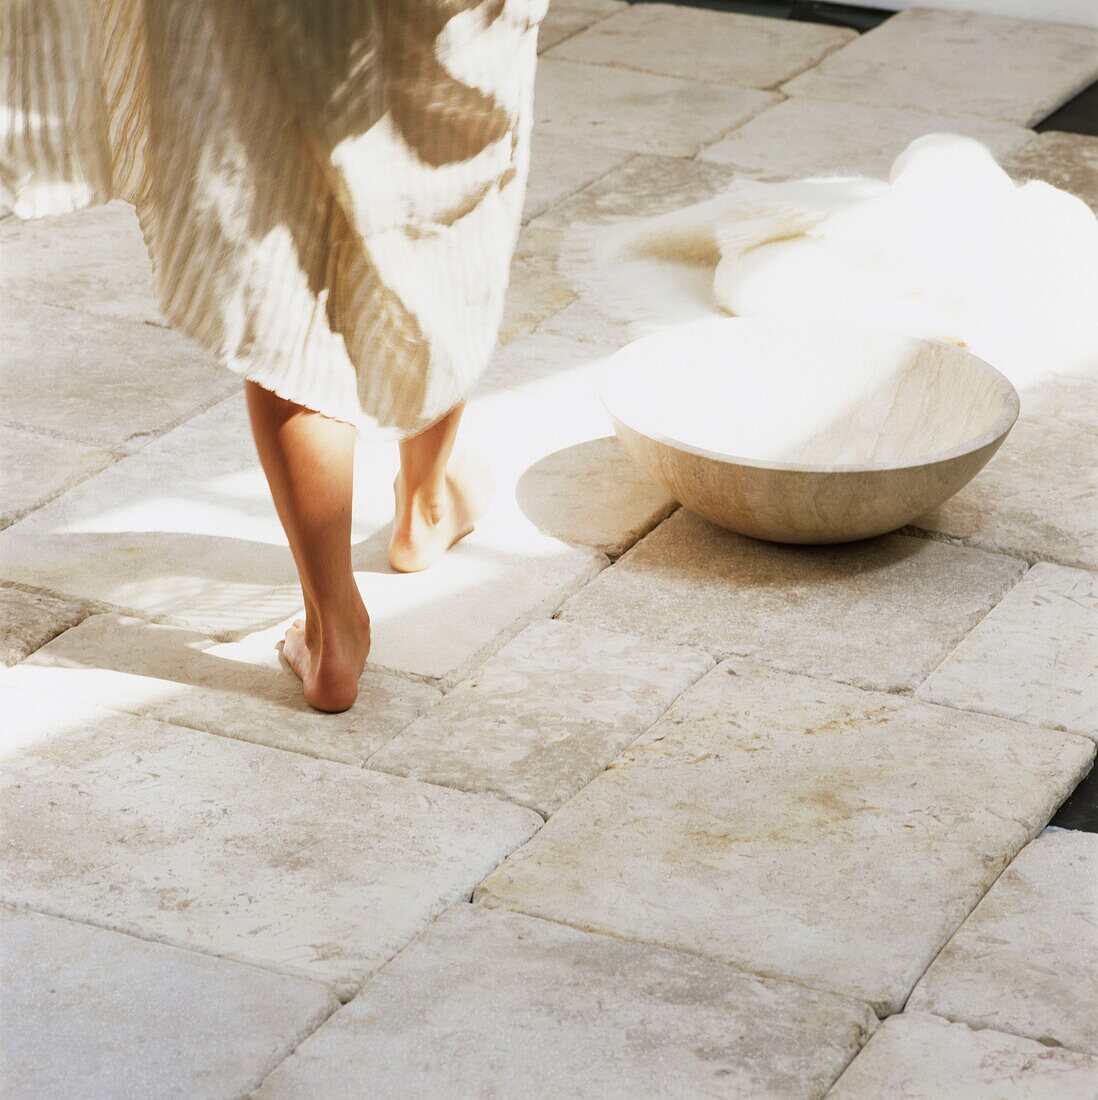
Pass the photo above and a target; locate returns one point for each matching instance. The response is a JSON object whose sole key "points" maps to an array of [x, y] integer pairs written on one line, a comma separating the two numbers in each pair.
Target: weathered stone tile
{"points": [[1071, 399], [537, 289], [638, 111], [959, 63], [185, 532], [561, 1012], [562, 166], [564, 20], [1034, 658], [94, 261], [880, 613], [545, 715], [37, 467], [29, 620], [539, 357], [1067, 161], [233, 849], [99, 380], [1036, 498], [714, 46], [808, 137], [593, 494], [237, 689], [920, 1055], [1026, 960], [797, 828], [583, 322], [88, 1012], [642, 187]]}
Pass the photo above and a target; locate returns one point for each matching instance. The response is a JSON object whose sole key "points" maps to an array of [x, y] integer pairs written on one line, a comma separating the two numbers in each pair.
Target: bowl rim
{"points": [[1002, 425]]}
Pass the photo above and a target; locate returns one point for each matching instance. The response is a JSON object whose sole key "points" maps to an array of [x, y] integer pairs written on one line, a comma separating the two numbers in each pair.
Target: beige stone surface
{"points": [[594, 495], [1026, 960], [93, 261], [797, 828], [719, 47], [879, 614], [560, 1012], [1067, 161], [1068, 398], [99, 380], [35, 467], [917, 1055], [639, 112], [541, 357], [185, 532], [809, 137], [537, 289], [236, 689], [561, 166], [564, 20], [959, 63], [583, 321], [540, 719], [1036, 498], [237, 850], [88, 1012], [845, 435], [642, 187], [29, 620], [1034, 658]]}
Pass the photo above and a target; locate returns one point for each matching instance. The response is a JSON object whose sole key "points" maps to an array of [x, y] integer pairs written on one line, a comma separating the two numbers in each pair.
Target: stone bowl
{"points": [[799, 431]]}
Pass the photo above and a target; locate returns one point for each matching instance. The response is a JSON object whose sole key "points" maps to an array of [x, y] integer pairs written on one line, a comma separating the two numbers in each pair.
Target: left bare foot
{"points": [[329, 660], [425, 529]]}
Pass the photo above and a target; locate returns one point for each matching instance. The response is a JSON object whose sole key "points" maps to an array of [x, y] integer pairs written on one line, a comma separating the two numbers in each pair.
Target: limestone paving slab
{"points": [[564, 20], [1036, 498], [37, 467], [959, 63], [1034, 658], [301, 865], [880, 613], [28, 620], [99, 380], [537, 289], [797, 828], [560, 1012], [715, 46], [236, 689], [639, 112], [809, 137], [561, 166], [593, 494], [1071, 399], [545, 715], [1067, 161], [185, 532], [1026, 960], [89, 1012], [642, 187], [918, 1055], [93, 261]]}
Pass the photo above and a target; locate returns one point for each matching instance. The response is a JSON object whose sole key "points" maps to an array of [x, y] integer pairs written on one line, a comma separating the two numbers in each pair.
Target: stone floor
{"points": [[629, 806]]}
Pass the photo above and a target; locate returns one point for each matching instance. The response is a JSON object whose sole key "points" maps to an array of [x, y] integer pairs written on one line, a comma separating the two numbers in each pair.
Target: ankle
{"points": [[427, 503]]}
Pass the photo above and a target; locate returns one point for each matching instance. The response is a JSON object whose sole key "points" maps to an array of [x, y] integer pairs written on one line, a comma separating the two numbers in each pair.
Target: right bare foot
{"points": [[426, 527], [329, 658]]}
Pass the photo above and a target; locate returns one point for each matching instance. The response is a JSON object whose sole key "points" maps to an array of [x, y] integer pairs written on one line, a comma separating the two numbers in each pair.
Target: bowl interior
{"points": [[805, 395]]}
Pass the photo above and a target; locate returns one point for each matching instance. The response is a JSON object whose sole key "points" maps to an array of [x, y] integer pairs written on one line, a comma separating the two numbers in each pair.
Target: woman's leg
{"points": [[308, 460], [436, 503]]}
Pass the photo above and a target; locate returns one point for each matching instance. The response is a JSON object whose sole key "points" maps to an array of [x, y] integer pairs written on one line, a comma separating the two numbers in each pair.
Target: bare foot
{"points": [[425, 529], [329, 660]]}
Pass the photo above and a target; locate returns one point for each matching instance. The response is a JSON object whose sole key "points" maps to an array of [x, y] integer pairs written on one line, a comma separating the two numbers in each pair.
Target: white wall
{"points": [[1084, 13]]}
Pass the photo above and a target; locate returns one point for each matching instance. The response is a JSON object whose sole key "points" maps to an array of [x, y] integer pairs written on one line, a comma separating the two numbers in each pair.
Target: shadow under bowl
{"points": [[802, 432]]}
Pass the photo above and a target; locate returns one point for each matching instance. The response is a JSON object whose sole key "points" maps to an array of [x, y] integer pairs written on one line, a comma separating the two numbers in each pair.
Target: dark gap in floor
{"points": [[802, 11], [1077, 116], [1080, 811]]}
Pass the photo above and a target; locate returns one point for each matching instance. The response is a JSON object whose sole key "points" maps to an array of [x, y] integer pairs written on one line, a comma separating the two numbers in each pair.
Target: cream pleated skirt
{"points": [[329, 190]]}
